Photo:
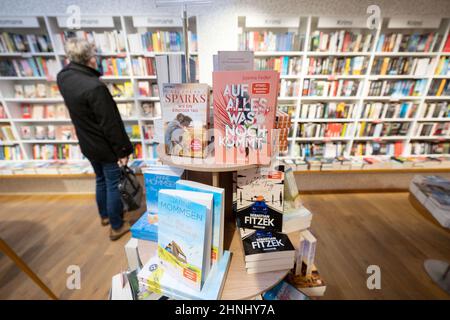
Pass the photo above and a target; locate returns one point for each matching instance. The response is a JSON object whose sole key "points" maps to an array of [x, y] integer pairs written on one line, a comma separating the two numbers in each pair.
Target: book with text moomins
{"points": [[184, 235], [245, 104]]}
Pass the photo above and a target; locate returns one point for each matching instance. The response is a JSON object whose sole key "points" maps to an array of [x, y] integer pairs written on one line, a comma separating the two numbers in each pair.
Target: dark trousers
{"points": [[109, 203]]}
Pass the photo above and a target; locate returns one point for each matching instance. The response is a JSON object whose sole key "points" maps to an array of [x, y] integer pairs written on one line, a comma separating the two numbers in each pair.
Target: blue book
{"points": [[184, 235], [144, 228], [156, 177], [157, 280], [284, 291], [218, 213]]}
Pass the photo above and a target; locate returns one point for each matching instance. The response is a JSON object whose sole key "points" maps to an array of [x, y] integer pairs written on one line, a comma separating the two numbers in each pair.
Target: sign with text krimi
{"points": [[88, 22], [271, 22], [340, 22], [414, 22], [146, 21], [19, 22]]}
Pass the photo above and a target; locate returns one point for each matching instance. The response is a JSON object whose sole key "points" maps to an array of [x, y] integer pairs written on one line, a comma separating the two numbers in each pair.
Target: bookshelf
{"points": [[325, 62], [117, 38]]}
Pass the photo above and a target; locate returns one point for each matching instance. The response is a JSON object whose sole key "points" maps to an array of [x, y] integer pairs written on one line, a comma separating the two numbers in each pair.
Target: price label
{"points": [[87, 22], [338, 22], [154, 22], [262, 21], [414, 23], [19, 22], [121, 55]]}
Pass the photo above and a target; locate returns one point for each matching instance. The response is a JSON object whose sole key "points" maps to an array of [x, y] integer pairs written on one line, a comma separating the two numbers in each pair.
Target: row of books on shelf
{"points": [[285, 65], [439, 88], [114, 67], [370, 148], [29, 67], [3, 114], [367, 163], [386, 129], [44, 111], [331, 110], [105, 42], [404, 88], [436, 110], [149, 109], [415, 42], [10, 153], [45, 167], [327, 130], [143, 66], [336, 65], [15, 42], [148, 89], [269, 41], [389, 110], [289, 88], [442, 68], [394, 66], [160, 41], [441, 129], [334, 88], [340, 41], [36, 90], [121, 89], [433, 192], [48, 132]]}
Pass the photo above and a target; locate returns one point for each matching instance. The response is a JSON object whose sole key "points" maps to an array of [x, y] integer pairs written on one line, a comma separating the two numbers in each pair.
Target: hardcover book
{"points": [[260, 198], [284, 291], [245, 104], [218, 213], [185, 115], [184, 235]]}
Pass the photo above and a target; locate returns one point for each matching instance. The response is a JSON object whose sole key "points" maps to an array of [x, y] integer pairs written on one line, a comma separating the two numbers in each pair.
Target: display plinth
{"points": [[239, 285]]}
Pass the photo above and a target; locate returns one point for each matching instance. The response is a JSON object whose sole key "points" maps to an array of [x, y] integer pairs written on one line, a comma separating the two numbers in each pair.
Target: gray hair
{"points": [[79, 50]]}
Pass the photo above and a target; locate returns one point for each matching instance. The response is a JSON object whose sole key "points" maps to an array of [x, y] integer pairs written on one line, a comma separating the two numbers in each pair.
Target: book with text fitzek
{"points": [[245, 104], [218, 213], [260, 198], [184, 235]]}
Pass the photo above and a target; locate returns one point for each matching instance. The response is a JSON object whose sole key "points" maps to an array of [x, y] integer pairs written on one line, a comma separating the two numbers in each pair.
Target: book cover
{"points": [[265, 245], [184, 235], [218, 213], [260, 198], [284, 291], [245, 104], [155, 278], [185, 114]]}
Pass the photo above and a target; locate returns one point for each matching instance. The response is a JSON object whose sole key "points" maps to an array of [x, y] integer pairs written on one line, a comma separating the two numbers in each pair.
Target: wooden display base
{"points": [[239, 285]]}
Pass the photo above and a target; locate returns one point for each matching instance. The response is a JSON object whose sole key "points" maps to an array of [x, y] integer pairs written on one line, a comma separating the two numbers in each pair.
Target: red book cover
{"points": [[447, 44], [245, 104]]}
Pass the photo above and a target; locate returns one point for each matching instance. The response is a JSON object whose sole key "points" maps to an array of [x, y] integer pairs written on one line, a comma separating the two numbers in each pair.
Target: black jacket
{"points": [[94, 113]]}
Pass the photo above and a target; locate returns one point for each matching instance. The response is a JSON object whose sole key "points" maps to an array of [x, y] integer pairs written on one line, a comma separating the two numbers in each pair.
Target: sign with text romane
{"points": [[340, 22], [19, 22], [87, 22], [161, 21]]}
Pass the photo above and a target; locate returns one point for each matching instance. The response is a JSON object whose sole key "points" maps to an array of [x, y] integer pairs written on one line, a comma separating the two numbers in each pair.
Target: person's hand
{"points": [[123, 161]]}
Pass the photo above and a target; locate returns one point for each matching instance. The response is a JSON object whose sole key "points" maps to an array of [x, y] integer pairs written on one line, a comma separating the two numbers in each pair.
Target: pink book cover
{"points": [[245, 104]]}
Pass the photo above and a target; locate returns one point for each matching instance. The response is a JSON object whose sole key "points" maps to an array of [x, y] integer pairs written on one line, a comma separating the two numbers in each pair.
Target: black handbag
{"points": [[130, 189]]}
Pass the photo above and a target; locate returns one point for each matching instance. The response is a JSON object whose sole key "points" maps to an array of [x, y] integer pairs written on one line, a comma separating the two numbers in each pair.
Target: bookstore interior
{"points": [[261, 151]]}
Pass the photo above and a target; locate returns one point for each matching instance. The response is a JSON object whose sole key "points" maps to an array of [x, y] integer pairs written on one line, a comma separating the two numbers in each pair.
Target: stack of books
{"points": [[433, 192]]}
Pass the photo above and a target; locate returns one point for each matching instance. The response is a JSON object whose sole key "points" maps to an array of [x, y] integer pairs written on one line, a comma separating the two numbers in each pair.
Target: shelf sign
{"points": [[88, 22], [271, 22], [154, 22], [414, 23], [338, 22], [19, 22]]}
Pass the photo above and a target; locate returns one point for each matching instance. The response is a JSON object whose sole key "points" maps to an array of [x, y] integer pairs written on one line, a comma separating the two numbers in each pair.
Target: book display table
{"points": [[239, 284]]}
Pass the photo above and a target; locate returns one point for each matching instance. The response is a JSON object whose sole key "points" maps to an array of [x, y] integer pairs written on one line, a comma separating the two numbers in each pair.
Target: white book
{"points": [[299, 255], [310, 250], [268, 268], [274, 262], [131, 251], [120, 288]]}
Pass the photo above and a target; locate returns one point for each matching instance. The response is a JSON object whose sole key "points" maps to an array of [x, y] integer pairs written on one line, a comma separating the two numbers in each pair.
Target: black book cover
{"points": [[260, 242]]}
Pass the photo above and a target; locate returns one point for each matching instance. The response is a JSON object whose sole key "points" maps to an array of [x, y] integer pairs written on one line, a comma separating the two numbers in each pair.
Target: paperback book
{"points": [[218, 213], [185, 114], [184, 235], [260, 198], [244, 114]]}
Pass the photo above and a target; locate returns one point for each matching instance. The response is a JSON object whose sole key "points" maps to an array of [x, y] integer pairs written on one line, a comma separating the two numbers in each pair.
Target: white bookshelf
{"points": [[52, 26], [305, 28]]}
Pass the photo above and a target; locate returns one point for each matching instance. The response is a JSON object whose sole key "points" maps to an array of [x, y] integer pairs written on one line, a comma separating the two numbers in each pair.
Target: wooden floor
{"points": [[353, 230]]}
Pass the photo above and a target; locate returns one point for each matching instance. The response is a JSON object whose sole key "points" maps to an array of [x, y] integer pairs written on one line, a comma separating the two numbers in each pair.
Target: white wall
{"points": [[217, 22]]}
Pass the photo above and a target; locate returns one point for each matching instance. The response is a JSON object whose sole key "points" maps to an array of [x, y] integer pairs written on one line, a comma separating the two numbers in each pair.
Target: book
{"points": [[260, 198], [296, 219], [132, 254], [184, 235], [154, 277], [284, 291], [308, 250], [311, 285], [185, 114], [244, 115], [260, 245], [218, 213], [234, 61]]}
